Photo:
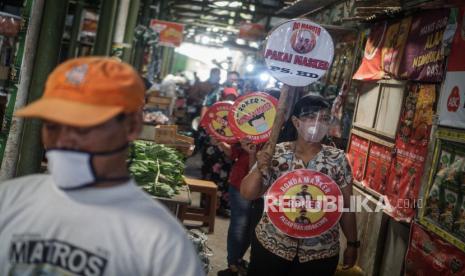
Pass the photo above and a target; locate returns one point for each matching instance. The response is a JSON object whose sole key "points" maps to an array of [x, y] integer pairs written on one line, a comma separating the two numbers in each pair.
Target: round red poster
{"points": [[304, 203], [216, 123], [252, 116]]}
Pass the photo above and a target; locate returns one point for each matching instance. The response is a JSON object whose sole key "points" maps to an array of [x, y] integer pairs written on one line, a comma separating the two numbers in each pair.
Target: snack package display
{"points": [[379, 160], [444, 209], [459, 224], [433, 203], [447, 216], [429, 254], [358, 152]]}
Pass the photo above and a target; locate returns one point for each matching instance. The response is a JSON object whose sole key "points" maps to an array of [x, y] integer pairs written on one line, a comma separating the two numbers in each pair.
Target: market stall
{"points": [[402, 147]]}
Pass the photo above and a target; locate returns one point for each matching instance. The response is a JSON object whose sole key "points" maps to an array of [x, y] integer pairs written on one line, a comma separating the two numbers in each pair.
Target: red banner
{"points": [[371, 67], [251, 31], [379, 161], [171, 33], [411, 150], [457, 53], [423, 58], [429, 254], [358, 152]]}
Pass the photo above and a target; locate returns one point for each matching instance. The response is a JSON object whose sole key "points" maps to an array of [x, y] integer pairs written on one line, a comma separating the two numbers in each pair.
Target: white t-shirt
{"points": [[94, 231]]}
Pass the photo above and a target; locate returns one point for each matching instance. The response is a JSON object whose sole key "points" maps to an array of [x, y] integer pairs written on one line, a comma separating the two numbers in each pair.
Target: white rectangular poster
{"points": [[452, 101]]}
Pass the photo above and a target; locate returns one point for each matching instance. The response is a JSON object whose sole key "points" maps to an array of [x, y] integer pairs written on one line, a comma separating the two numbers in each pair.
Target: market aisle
{"points": [[217, 240]]}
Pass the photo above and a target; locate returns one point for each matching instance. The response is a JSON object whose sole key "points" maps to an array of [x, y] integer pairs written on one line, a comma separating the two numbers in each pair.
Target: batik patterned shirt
{"points": [[330, 161]]}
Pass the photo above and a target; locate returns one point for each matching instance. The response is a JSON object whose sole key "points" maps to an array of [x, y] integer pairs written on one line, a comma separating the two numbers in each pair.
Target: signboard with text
{"points": [[298, 52]]}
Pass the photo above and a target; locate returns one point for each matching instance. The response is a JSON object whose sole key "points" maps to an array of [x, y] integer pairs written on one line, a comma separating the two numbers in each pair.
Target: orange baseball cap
{"points": [[88, 91]]}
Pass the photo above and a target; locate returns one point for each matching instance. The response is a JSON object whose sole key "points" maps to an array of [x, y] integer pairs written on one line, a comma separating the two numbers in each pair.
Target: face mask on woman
{"points": [[313, 130]]}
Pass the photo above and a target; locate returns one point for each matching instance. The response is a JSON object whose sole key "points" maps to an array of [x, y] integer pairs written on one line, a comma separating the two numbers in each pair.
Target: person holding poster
{"points": [[238, 240], [216, 165], [276, 253]]}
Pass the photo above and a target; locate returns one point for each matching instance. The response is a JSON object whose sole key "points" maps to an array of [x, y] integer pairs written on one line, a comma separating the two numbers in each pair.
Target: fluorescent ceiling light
{"points": [[235, 4], [264, 76], [246, 16], [252, 7], [249, 67], [205, 40], [240, 41], [254, 44], [221, 3]]}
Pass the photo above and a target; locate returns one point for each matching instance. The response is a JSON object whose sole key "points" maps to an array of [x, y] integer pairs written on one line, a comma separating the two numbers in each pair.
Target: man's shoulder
{"points": [[144, 206], [21, 188], [24, 182]]}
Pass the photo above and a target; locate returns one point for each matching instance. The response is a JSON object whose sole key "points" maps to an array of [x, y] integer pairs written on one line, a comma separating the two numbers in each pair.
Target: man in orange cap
{"points": [[88, 217]]}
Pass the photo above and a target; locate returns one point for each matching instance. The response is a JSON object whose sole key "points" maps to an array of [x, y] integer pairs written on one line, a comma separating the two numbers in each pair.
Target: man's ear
{"points": [[134, 125]]}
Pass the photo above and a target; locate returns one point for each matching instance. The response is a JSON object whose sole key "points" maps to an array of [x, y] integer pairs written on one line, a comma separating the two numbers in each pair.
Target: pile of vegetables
{"points": [[156, 168]]}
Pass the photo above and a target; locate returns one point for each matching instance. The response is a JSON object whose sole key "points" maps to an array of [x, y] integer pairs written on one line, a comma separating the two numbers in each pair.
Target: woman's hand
{"points": [[264, 159], [213, 141], [350, 257], [247, 145]]}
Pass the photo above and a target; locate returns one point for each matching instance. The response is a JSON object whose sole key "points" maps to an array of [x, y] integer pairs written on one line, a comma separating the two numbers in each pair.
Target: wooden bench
{"points": [[207, 214]]}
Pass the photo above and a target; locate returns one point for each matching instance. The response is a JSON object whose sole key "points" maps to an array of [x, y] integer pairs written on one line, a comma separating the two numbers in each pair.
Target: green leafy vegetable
{"points": [[157, 169]]}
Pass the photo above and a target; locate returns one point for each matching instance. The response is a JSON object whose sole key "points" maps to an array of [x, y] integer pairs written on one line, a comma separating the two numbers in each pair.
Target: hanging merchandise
{"points": [[423, 58], [299, 52], [452, 102], [394, 45], [428, 254], [304, 203], [252, 117], [171, 33], [371, 67], [358, 151], [215, 122], [379, 162], [411, 150], [251, 31], [444, 207], [10, 25]]}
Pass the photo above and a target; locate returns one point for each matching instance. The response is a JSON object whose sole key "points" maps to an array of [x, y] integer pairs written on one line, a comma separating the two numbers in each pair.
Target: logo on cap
{"points": [[77, 74]]}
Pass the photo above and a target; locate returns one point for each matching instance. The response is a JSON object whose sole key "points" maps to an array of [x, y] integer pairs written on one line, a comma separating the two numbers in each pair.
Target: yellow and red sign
{"points": [[252, 117], [304, 203], [171, 33], [215, 122]]}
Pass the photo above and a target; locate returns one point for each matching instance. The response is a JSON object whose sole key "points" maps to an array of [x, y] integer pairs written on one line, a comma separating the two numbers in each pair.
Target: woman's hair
{"points": [[306, 104]]}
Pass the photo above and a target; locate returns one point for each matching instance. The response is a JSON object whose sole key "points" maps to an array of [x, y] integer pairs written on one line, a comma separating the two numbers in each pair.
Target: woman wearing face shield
{"points": [[275, 253]]}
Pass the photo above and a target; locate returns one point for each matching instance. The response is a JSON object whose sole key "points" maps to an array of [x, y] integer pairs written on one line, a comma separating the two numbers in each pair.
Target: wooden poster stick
{"points": [[283, 105]]}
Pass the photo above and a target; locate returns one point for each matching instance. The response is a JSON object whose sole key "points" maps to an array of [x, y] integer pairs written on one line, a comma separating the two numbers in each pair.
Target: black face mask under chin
{"points": [[73, 169]]}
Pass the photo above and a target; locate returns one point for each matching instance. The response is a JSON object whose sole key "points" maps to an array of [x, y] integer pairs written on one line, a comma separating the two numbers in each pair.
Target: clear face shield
{"points": [[315, 124]]}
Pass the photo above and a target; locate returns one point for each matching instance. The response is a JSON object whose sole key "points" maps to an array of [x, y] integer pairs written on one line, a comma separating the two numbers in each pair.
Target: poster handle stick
{"points": [[283, 105]]}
